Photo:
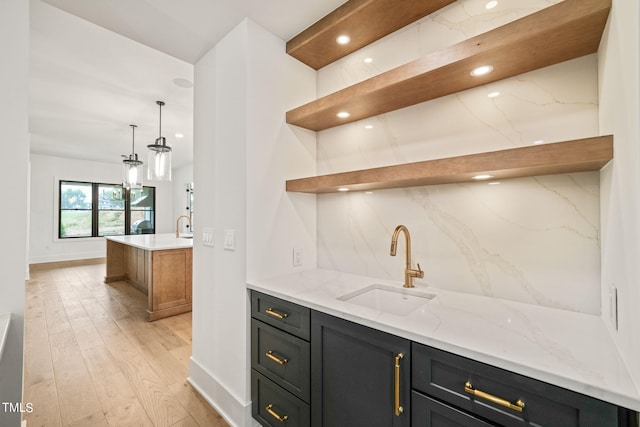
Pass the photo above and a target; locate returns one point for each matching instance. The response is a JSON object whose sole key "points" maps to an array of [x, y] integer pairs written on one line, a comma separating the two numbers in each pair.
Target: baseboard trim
{"points": [[63, 264], [230, 407]]}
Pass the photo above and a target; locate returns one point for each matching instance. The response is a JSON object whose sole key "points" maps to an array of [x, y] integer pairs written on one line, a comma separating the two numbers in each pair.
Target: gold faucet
{"points": [[409, 273], [178, 224]]}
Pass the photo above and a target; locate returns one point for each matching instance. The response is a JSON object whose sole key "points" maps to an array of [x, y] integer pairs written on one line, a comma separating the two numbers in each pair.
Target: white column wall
{"points": [[243, 151]]}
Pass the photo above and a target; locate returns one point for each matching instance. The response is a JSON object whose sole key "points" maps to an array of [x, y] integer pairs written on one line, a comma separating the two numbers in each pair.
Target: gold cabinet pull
{"points": [[272, 312], [398, 408], [279, 361], [275, 415], [518, 406]]}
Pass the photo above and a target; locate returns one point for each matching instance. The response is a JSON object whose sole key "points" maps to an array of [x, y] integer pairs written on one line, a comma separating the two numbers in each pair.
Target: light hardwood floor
{"points": [[91, 358]]}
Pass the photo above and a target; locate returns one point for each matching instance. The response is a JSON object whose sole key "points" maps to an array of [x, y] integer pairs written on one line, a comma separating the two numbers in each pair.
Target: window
{"points": [[89, 209]]}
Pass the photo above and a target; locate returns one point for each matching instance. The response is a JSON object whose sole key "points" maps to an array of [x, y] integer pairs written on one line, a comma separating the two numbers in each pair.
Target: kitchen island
{"points": [[160, 265]]}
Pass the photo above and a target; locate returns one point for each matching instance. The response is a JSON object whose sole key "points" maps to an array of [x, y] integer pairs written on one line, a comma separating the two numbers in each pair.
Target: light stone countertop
{"points": [[568, 349], [154, 242]]}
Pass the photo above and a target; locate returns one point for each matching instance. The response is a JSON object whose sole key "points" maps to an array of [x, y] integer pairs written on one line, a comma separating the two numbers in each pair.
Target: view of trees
{"points": [[78, 213], [75, 197]]}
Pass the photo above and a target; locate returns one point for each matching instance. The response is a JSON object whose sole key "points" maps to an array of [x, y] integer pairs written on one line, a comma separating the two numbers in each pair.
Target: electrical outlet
{"points": [[297, 257], [613, 305]]}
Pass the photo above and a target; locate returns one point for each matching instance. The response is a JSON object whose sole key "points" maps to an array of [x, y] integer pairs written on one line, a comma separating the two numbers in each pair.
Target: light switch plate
{"points": [[208, 236], [229, 240], [297, 257]]}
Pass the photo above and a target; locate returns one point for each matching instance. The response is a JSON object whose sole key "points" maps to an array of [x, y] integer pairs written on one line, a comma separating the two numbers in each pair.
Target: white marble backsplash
{"points": [[534, 240]]}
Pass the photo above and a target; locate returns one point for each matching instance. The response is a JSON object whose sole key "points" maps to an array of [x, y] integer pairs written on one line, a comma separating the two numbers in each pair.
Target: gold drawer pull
{"points": [[398, 409], [275, 415], [518, 406], [275, 358], [272, 312]]}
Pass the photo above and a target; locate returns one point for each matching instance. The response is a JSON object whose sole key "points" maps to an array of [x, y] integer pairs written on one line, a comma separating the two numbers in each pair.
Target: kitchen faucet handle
{"points": [[420, 272]]}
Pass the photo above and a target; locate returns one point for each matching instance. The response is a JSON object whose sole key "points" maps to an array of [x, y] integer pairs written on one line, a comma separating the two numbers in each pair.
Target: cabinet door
{"points": [[360, 376]]}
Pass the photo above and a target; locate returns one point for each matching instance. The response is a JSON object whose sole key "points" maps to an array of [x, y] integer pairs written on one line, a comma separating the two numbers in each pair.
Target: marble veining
{"points": [[534, 240], [522, 338]]}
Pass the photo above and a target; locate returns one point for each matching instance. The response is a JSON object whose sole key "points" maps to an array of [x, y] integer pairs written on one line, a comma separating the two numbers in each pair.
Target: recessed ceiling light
{"points": [[494, 94], [491, 4], [343, 189], [343, 39], [494, 183], [538, 142], [187, 84], [179, 135], [368, 192], [481, 177], [343, 114], [368, 126], [368, 60], [481, 71]]}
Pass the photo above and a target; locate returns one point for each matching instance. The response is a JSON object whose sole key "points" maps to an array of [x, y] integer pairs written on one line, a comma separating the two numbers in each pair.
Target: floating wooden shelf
{"points": [[565, 31], [580, 155], [364, 21]]}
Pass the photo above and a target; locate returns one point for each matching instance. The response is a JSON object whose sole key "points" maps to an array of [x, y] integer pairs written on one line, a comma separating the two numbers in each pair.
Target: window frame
{"points": [[95, 208]]}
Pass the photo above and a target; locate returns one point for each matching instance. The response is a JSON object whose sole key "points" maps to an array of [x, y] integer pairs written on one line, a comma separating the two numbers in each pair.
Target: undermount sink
{"points": [[398, 301]]}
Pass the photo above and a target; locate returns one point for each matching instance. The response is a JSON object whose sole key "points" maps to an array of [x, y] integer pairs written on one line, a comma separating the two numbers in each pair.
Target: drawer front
{"points": [[285, 315], [273, 406], [503, 397], [427, 412], [281, 357]]}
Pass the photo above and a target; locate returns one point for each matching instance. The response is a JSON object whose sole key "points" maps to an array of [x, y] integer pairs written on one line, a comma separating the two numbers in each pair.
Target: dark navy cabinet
{"points": [[360, 376], [310, 369], [280, 362], [444, 381]]}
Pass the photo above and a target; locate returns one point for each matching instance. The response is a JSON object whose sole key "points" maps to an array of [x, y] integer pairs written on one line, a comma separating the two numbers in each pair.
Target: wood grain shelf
{"points": [[581, 155], [364, 21], [561, 32]]}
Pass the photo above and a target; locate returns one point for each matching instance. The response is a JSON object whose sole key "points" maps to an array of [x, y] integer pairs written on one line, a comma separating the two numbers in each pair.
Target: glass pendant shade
{"points": [[159, 160], [132, 174], [132, 167]]}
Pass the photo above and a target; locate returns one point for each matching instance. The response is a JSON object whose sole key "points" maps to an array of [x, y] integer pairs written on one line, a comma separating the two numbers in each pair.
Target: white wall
{"points": [[46, 172], [14, 114], [243, 151], [620, 187]]}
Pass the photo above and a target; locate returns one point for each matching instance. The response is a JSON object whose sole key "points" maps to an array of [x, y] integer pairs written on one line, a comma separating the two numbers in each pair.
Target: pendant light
{"points": [[159, 160], [132, 166]]}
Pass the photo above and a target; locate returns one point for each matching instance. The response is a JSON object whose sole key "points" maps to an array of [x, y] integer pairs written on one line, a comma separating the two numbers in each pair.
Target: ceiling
{"points": [[99, 66]]}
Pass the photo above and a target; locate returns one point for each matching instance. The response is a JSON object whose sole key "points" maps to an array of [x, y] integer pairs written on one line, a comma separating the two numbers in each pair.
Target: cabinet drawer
{"points": [[273, 406], [444, 376], [281, 357], [427, 412], [285, 315]]}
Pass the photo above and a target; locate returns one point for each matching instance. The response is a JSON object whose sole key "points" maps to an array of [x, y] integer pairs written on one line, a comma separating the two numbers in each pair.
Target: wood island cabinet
{"points": [[162, 272]]}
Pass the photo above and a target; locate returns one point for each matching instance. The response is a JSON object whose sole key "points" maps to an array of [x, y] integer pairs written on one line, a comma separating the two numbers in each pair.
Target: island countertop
{"points": [[568, 349], [154, 242]]}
